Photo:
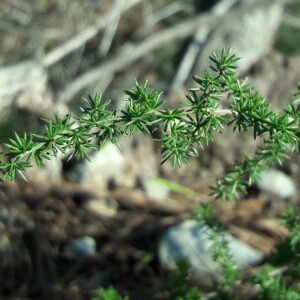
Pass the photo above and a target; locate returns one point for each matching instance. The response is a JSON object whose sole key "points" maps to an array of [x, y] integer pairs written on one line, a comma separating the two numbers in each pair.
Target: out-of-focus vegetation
{"points": [[288, 36]]}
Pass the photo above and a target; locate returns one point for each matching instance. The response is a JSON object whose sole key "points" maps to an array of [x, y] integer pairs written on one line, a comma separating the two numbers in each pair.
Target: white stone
{"points": [[155, 189], [191, 241], [276, 182], [102, 207], [106, 164], [50, 171]]}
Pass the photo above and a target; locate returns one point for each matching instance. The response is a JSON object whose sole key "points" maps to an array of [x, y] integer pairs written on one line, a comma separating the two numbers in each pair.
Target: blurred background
{"points": [[53, 53], [76, 48]]}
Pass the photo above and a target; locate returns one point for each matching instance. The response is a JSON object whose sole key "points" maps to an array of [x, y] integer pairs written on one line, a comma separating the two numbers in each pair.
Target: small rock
{"points": [[102, 207], [276, 182], [155, 189], [191, 241], [50, 171], [83, 246], [5, 243], [104, 165]]}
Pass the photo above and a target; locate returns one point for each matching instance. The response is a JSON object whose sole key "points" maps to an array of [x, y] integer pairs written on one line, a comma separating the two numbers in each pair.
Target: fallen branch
{"points": [[83, 37], [153, 42]]}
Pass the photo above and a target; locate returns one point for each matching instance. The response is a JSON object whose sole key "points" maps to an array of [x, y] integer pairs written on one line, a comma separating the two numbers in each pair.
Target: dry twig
{"points": [[155, 41], [86, 35]]}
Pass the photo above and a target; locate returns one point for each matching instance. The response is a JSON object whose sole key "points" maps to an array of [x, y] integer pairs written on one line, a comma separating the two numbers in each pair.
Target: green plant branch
{"points": [[183, 130]]}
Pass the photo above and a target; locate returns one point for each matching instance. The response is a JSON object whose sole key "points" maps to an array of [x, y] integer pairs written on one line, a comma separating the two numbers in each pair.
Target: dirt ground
{"points": [[40, 217]]}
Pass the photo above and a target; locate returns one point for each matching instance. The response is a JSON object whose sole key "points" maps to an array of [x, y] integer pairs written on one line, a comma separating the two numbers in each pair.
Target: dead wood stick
{"points": [[111, 27], [153, 42], [135, 199], [83, 37], [197, 41]]}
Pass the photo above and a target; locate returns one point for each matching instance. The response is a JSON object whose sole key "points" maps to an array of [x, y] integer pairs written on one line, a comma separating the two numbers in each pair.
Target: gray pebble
{"points": [[79, 247], [191, 241]]}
